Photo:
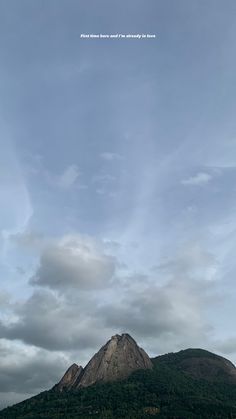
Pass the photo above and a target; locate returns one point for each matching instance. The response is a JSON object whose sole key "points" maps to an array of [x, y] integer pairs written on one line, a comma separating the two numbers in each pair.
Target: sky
{"points": [[117, 182]]}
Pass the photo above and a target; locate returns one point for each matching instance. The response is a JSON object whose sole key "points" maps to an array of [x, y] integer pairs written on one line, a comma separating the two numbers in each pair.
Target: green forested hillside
{"points": [[165, 392]]}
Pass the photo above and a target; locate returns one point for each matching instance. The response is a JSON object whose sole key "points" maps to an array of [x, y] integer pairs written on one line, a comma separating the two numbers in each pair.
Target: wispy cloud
{"points": [[69, 177], [16, 208], [103, 178], [103, 183], [199, 179], [65, 180], [108, 156]]}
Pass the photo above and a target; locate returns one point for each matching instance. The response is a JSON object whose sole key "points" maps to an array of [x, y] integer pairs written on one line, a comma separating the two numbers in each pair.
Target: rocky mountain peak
{"points": [[116, 360], [123, 337]]}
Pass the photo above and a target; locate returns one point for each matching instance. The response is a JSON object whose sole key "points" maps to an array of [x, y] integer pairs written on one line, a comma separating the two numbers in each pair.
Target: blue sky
{"points": [[117, 182]]}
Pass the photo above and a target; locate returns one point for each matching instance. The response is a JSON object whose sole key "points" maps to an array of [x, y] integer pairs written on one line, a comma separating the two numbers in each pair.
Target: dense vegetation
{"points": [[164, 392]]}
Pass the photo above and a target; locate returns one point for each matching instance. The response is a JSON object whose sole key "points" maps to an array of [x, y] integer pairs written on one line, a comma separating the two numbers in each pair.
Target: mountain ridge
{"points": [[201, 364], [189, 384]]}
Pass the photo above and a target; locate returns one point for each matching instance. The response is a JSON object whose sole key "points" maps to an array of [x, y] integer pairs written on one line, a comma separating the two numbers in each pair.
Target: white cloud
{"points": [[199, 179]]}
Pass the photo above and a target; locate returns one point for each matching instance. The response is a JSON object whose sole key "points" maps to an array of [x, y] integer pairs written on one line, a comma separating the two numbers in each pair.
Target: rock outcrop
{"points": [[116, 360], [69, 378]]}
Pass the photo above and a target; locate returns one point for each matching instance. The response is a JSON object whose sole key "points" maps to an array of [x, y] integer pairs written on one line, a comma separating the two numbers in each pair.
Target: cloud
{"points": [[167, 310], [69, 177], [199, 179], [103, 182], [108, 156], [192, 261], [74, 261], [228, 346], [75, 303], [166, 306], [25, 370], [30, 240], [65, 180], [163, 311], [73, 275], [168, 316], [14, 217], [4, 299], [104, 178], [47, 320]]}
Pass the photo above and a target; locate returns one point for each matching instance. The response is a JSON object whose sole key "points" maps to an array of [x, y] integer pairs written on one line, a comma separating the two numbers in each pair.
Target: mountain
{"points": [[116, 360], [121, 381]]}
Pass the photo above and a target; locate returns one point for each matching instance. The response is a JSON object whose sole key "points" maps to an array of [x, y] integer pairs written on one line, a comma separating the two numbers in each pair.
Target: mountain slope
{"points": [[200, 364]]}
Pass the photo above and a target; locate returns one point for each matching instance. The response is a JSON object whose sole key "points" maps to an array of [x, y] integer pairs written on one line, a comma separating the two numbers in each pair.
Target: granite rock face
{"points": [[116, 360], [69, 378]]}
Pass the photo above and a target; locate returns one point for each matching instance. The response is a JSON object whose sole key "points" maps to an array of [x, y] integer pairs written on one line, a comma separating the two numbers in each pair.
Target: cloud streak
{"points": [[199, 179]]}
